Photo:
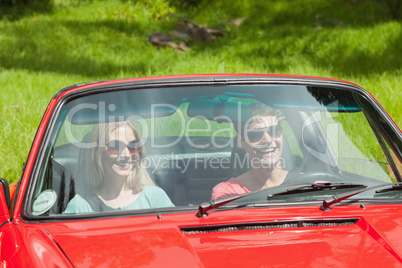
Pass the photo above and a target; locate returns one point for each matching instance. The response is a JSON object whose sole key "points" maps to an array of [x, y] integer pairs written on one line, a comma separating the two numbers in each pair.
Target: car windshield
{"points": [[169, 149]]}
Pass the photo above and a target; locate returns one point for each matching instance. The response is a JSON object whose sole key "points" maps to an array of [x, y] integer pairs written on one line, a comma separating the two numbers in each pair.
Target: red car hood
{"points": [[342, 237]]}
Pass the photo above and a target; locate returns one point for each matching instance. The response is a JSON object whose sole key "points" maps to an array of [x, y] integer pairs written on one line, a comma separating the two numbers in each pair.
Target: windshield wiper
{"points": [[326, 186], [307, 187], [327, 203], [213, 204], [395, 187]]}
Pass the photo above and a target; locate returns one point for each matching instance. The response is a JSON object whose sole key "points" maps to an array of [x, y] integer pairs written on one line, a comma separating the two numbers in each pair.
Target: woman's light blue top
{"points": [[150, 197]]}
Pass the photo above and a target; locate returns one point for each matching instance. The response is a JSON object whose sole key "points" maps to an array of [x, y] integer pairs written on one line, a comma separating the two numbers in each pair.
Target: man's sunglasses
{"points": [[256, 135], [116, 147]]}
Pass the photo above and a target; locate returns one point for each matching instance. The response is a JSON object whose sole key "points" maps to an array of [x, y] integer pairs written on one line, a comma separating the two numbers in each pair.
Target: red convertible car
{"points": [[225, 170]]}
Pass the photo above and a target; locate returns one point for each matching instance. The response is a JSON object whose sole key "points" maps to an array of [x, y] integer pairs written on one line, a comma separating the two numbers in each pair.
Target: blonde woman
{"points": [[113, 170]]}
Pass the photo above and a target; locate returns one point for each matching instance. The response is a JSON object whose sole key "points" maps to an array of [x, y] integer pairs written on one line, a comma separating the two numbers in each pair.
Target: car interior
{"points": [[187, 176]]}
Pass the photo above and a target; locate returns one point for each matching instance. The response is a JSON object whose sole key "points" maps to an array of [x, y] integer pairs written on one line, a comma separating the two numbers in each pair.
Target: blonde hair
{"points": [[92, 158]]}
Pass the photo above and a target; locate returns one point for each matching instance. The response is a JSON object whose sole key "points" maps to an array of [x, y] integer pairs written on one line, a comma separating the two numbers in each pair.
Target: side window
{"points": [[358, 151]]}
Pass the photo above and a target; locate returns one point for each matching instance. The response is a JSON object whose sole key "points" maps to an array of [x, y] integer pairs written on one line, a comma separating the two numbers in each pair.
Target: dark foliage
{"points": [[22, 2], [16, 3], [16, 9], [184, 4], [394, 7]]}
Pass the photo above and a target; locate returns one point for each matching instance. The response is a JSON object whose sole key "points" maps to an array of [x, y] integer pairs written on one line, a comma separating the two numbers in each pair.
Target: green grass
{"points": [[45, 48]]}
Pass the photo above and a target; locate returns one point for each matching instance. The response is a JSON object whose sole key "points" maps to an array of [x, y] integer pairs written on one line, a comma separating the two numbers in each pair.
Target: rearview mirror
{"points": [[218, 111]]}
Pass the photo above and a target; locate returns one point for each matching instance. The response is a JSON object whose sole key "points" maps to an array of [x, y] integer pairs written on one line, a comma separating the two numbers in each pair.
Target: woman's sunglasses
{"points": [[256, 135], [116, 147]]}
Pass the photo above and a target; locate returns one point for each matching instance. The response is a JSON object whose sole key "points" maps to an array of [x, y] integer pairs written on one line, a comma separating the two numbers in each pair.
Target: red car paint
{"points": [[148, 241]]}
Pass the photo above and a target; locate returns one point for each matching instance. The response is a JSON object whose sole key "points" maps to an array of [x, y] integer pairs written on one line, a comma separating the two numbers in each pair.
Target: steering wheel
{"points": [[315, 177]]}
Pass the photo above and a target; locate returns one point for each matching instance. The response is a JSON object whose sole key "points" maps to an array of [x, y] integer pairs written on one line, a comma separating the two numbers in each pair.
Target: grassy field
{"points": [[45, 48]]}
